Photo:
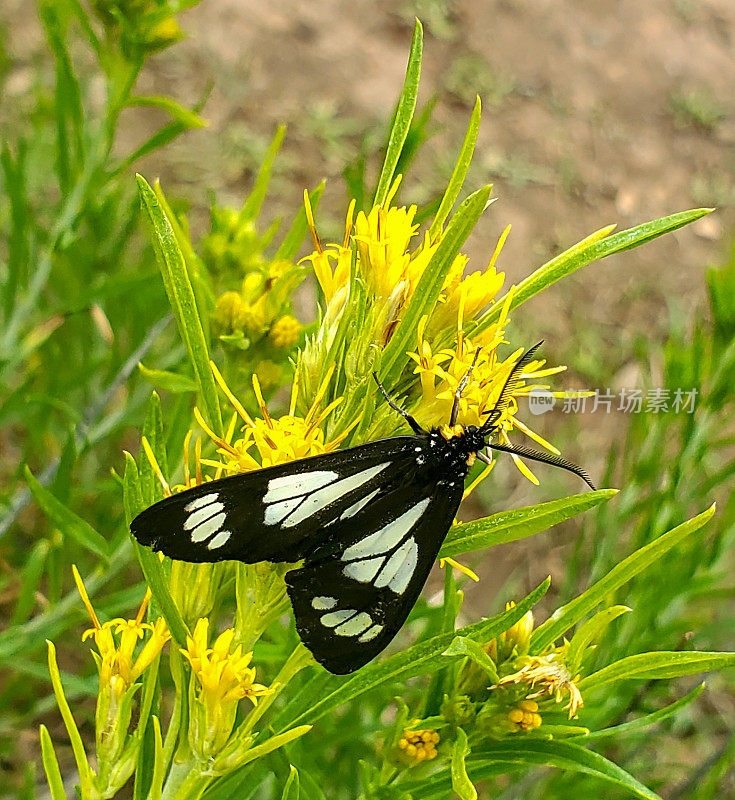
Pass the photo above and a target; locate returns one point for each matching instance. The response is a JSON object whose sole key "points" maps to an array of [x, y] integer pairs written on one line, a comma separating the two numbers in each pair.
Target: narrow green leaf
{"points": [[252, 205], [291, 789], [29, 580], [421, 658], [459, 174], [153, 433], [154, 142], [51, 766], [66, 520], [181, 296], [273, 743], [77, 746], [168, 381], [403, 117], [652, 666], [156, 579], [564, 755], [132, 495], [461, 783], [592, 248], [289, 247], [645, 721], [571, 613], [509, 526], [462, 646], [159, 764], [587, 633], [430, 284], [188, 119]]}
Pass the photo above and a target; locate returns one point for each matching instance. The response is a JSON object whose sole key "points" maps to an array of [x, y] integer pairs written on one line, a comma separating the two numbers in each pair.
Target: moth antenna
{"points": [[508, 387], [415, 427], [554, 461], [460, 388]]}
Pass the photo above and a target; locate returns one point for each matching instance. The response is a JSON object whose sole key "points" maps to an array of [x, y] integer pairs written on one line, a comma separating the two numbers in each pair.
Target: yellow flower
{"points": [[419, 745], [275, 441], [331, 279], [524, 716], [553, 678], [268, 373], [224, 678], [119, 667], [285, 331]]}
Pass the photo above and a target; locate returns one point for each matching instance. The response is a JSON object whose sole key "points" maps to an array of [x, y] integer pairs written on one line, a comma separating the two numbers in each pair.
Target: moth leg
{"points": [[415, 427]]}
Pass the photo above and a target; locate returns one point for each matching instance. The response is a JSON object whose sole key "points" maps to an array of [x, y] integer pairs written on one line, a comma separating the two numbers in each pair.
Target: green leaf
{"points": [[77, 746], [289, 247], [328, 692], [188, 119], [430, 285], [459, 174], [251, 208], [132, 496], [291, 789], [571, 613], [181, 296], [462, 646], [645, 721], [168, 381], [461, 783], [564, 755], [66, 520], [156, 579], [657, 665], [590, 249], [403, 117], [587, 632], [509, 526], [51, 766], [29, 580]]}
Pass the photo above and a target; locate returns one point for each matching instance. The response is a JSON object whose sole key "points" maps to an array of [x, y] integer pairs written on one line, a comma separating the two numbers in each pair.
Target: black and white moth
{"points": [[368, 522]]}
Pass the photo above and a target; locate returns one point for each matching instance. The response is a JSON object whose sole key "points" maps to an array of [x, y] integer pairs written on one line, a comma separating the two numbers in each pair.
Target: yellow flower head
{"points": [[331, 278], [285, 331], [525, 716], [224, 677], [119, 667], [551, 676], [267, 441], [419, 745]]}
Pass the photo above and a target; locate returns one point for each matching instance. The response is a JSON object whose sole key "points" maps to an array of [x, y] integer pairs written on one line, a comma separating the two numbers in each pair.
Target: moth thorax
{"points": [[471, 458], [451, 431]]}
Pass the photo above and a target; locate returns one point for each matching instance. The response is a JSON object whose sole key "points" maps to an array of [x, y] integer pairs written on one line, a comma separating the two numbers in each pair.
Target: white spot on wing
{"points": [[204, 500], [334, 618], [221, 538], [297, 485], [201, 514], [397, 573], [364, 571], [323, 603], [358, 506], [276, 512], [207, 528], [388, 536], [356, 625], [321, 498], [370, 633]]}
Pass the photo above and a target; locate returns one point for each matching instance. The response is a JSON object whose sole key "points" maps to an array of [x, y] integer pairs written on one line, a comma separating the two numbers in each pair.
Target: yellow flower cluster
{"points": [[550, 675], [119, 667], [525, 715], [275, 440], [419, 745], [224, 677]]}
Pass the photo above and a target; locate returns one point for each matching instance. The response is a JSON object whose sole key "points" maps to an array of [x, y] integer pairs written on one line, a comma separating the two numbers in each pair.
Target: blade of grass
{"points": [[403, 117]]}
